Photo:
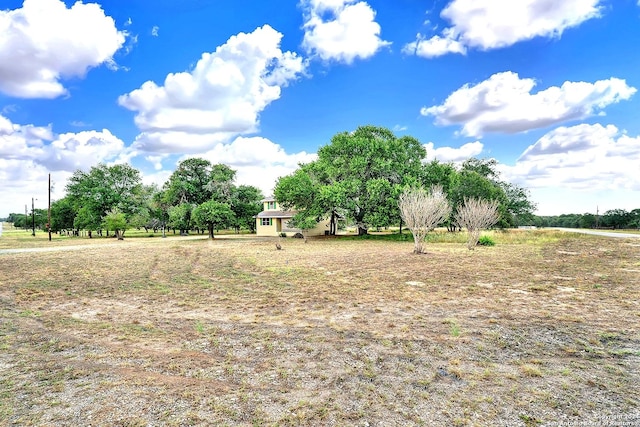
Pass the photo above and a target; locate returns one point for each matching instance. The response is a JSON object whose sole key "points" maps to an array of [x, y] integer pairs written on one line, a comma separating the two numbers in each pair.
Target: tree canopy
{"points": [[103, 188], [211, 214], [108, 195], [360, 175]]}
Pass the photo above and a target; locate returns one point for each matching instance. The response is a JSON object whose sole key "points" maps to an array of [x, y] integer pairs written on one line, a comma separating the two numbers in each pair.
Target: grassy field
{"points": [[541, 329]]}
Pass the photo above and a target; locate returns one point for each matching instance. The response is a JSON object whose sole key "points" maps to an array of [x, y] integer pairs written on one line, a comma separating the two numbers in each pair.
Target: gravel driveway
{"points": [[600, 233]]}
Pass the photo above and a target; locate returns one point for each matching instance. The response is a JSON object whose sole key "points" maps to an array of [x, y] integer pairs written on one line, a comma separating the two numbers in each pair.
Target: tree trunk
{"points": [[361, 230], [332, 224], [211, 231]]}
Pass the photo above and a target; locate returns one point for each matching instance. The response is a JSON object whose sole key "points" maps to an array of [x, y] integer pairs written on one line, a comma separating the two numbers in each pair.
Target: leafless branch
{"points": [[422, 211], [475, 215]]}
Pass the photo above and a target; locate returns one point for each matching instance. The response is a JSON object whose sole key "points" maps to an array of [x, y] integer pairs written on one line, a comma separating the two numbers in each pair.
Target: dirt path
{"points": [[126, 242], [601, 233]]}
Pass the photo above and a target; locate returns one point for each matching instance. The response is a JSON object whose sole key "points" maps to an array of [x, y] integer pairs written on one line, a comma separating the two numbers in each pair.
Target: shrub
{"points": [[486, 241], [474, 215]]}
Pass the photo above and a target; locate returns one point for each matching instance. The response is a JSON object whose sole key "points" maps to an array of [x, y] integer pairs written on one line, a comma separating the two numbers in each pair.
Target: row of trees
{"points": [[198, 195], [37, 218], [613, 218], [360, 176]]}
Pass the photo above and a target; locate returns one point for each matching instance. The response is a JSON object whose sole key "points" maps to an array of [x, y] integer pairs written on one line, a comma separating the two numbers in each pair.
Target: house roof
{"points": [[275, 214]]}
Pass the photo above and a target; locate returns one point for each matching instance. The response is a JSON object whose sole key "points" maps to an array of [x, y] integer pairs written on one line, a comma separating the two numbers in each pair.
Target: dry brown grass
{"points": [[332, 332]]}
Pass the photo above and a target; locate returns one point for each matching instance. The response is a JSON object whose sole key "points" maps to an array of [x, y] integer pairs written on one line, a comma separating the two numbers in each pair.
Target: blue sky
{"points": [[547, 88]]}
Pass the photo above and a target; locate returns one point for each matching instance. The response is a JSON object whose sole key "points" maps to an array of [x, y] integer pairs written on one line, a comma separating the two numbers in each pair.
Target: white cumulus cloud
{"points": [[588, 160], [505, 103], [220, 98], [492, 24], [257, 161], [57, 152], [435, 46], [29, 153], [451, 154], [341, 30], [586, 156], [44, 42]]}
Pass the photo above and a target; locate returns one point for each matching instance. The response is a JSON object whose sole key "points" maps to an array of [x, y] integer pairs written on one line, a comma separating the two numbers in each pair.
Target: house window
{"points": [[266, 221], [271, 205]]}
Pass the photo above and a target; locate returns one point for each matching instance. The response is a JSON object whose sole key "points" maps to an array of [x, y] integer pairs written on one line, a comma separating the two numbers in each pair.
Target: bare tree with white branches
{"points": [[422, 210], [474, 215]]}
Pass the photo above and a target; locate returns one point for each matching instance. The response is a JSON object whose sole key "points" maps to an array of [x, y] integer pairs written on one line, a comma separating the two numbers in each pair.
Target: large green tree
{"points": [[616, 218], [212, 214], [102, 189], [19, 220], [62, 215], [144, 213], [360, 173], [480, 179], [197, 181], [187, 184], [302, 190], [246, 203], [221, 183], [439, 174], [116, 221], [179, 217]]}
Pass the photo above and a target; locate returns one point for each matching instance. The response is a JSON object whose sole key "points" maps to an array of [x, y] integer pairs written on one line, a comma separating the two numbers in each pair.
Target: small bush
{"points": [[486, 241], [283, 234]]}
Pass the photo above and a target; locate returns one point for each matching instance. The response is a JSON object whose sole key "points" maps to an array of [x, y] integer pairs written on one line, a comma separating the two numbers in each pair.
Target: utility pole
{"points": [[597, 215], [49, 220], [33, 218]]}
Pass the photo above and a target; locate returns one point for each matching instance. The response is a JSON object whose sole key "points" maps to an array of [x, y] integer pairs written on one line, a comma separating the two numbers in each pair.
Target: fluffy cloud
{"points": [[29, 153], [435, 46], [27, 179], [259, 161], [580, 168], [44, 41], [220, 98], [455, 155], [492, 24], [64, 152], [179, 142], [341, 30], [582, 157], [504, 103]]}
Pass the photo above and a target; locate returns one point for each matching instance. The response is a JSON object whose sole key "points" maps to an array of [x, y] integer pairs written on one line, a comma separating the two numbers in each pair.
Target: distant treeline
{"points": [[614, 219]]}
